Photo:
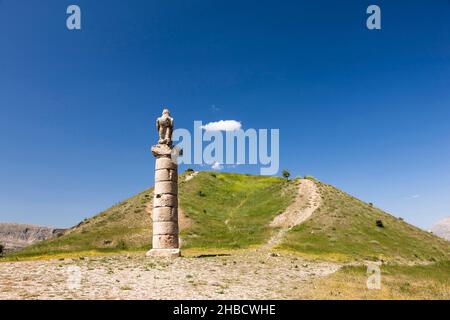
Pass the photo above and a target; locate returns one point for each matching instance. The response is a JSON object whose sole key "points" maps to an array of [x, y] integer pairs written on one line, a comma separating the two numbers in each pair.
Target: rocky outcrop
{"points": [[15, 236]]}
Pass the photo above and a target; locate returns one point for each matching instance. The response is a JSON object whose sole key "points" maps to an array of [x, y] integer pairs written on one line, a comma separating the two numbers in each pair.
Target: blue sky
{"points": [[367, 111]]}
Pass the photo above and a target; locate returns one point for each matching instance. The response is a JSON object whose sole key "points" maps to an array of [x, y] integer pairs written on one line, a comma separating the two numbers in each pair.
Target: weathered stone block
{"points": [[170, 227], [164, 253], [161, 150], [165, 214], [166, 175], [163, 187], [168, 241], [165, 163], [165, 200]]}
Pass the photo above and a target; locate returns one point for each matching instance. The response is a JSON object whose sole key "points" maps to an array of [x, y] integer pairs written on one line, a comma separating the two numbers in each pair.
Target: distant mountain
{"points": [[15, 236], [442, 228]]}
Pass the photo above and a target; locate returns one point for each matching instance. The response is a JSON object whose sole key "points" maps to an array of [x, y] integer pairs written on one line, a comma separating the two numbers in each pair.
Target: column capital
{"points": [[162, 150]]}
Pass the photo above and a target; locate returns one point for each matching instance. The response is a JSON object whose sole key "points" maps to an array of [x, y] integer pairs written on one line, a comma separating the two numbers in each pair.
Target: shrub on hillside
{"points": [[121, 245]]}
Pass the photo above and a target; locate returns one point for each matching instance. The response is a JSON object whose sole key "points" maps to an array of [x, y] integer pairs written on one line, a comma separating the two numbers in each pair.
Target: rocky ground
{"points": [[255, 274]]}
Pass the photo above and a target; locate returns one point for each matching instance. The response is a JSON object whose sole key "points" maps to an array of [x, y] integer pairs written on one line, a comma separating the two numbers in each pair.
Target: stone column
{"points": [[165, 204]]}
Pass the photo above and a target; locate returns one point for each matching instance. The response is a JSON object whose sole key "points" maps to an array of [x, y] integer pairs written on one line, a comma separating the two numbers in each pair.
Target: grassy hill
{"points": [[345, 228], [232, 210], [247, 203], [124, 226], [227, 211]]}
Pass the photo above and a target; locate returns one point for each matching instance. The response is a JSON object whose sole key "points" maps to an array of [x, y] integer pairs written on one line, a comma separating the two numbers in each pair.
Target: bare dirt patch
{"points": [[307, 201], [191, 175]]}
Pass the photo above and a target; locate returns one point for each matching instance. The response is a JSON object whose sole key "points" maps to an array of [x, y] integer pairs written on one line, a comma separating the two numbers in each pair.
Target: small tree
{"points": [[286, 174], [1, 249]]}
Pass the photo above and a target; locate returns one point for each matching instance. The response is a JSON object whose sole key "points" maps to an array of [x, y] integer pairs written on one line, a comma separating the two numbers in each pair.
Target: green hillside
{"points": [[231, 211], [345, 227], [248, 204], [124, 226]]}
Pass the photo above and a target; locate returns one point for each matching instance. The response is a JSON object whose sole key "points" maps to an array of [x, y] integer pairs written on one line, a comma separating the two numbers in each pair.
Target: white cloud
{"points": [[222, 125], [216, 166]]}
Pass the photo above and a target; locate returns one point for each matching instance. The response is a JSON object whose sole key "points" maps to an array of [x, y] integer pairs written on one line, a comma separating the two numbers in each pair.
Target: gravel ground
{"points": [[251, 274]]}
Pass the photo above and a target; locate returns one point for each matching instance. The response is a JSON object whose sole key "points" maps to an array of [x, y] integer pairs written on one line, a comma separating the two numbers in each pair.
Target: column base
{"points": [[164, 253]]}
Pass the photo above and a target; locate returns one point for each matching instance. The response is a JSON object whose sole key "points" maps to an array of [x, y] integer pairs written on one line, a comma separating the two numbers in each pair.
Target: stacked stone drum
{"points": [[165, 204]]}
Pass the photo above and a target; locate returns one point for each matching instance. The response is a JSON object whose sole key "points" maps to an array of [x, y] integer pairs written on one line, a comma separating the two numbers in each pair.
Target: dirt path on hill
{"points": [[191, 175], [249, 274], [307, 201]]}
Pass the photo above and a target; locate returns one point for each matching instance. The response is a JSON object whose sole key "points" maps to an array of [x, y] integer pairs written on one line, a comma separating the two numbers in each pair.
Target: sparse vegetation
{"points": [[379, 223], [121, 245], [125, 288], [397, 282], [201, 193], [345, 228]]}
